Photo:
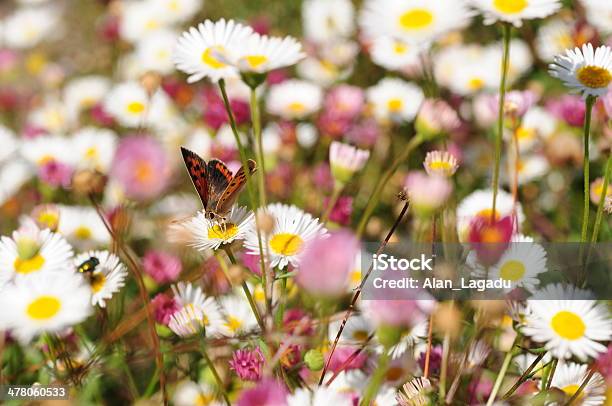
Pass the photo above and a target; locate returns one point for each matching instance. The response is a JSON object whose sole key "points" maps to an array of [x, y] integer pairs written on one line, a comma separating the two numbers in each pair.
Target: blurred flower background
{"points": [[472, 121]]}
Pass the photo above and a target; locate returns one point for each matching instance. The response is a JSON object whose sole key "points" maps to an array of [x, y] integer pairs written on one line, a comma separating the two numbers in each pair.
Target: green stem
{"points": [[250, 190], [384, 179], [551, 373], [602, 200], [245, 288], [500, 114], [524, 376], [444, 367], [590, 101], [331, 203], [280, 313], [502, 373], [214, 372], [261, 173], [377, 378]]}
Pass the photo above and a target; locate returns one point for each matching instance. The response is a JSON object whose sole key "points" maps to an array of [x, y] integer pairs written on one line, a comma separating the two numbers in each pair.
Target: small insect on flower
{"points": [[88, 265], [217, 187]]}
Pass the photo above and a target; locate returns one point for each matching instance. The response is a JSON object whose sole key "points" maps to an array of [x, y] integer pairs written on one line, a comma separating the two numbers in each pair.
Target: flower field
{"points": [[306, 202]]}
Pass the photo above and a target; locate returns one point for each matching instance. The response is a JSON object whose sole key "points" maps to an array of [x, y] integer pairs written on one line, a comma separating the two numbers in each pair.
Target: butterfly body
{"points": [[89, 265], [217, 187]]}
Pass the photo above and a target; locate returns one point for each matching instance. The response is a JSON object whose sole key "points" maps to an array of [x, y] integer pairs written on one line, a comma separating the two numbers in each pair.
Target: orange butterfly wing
{"points": [[235, 186], [196, 167]]}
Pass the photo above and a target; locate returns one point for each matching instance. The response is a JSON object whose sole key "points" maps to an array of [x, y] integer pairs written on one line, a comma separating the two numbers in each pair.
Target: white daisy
{"points": [[306, 135], [154, 52], [599, 14], [322, 395], [537, 124], [207, 234], [190, 296], [530, 167], [28, 26], [95, 148], [47, 148], [9, 142], [466, 69], [292, 229], [52, 116], [198, 49], [178, 11], [128, 103], [521, 264], [478, 204], [407, 341], [188, 321], [46, 216], [440, 163], [261, 53], [106, 279], [238, 315], [585, 71], [83, 93], [413, 21], [356, 331], [414, 392], [515, 11], [567, 324], [294, 99], [82, 226], [13, 175], [44, 303], [32, 251], [395, 100], [394, 54], [327, 20], [141, 18], [569, 376], [189, 393], [554, 37], [321, 71], [524, 361]]}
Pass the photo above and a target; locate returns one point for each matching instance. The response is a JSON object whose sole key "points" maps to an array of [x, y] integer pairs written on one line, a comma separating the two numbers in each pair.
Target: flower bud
{"points": [[314, 360]]}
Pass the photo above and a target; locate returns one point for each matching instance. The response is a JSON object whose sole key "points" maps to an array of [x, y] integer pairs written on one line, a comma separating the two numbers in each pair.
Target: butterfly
{"points": [[217, 187]]}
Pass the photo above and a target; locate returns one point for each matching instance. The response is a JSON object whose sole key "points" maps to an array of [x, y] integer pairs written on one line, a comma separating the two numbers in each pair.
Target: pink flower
{"points": [[325, 263], [296, 321], [333, 125], [604, 364], [569, 108], [490, 237], [365, 133], [141, 167], [252, 263], [436, 117], [342, 210], [345, 101], [435, 359], [268, 392], [479, 390], [215, 114], [161, 266], [398, 313], [100, 116], [516, 103], [427, 193], [248, 364], [607, 102], [55, 173], [341, 356], [164, 306], [322, 177]]}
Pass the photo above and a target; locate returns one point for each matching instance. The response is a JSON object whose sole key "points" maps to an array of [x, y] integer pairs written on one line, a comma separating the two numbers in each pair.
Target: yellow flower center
{"points": [[571, 389], [143, 171], [524, 133], [356, 276], [491, 235], [510, 6], [91, 153], [475, 84], [255, 61], [233, 323], [400, 48], [225, 232], [286, 244], [395, 105], [209, 59], [512, 270], [82, 233], [594, 77], [43, 308], [568, 325], [97, 282], [25, 266], [487, 213], [440, 166], [204, 399], [152, 25], [360, 335], [416, 19], [49, 219], [174, 5], [296, 107], [135, 107]]}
